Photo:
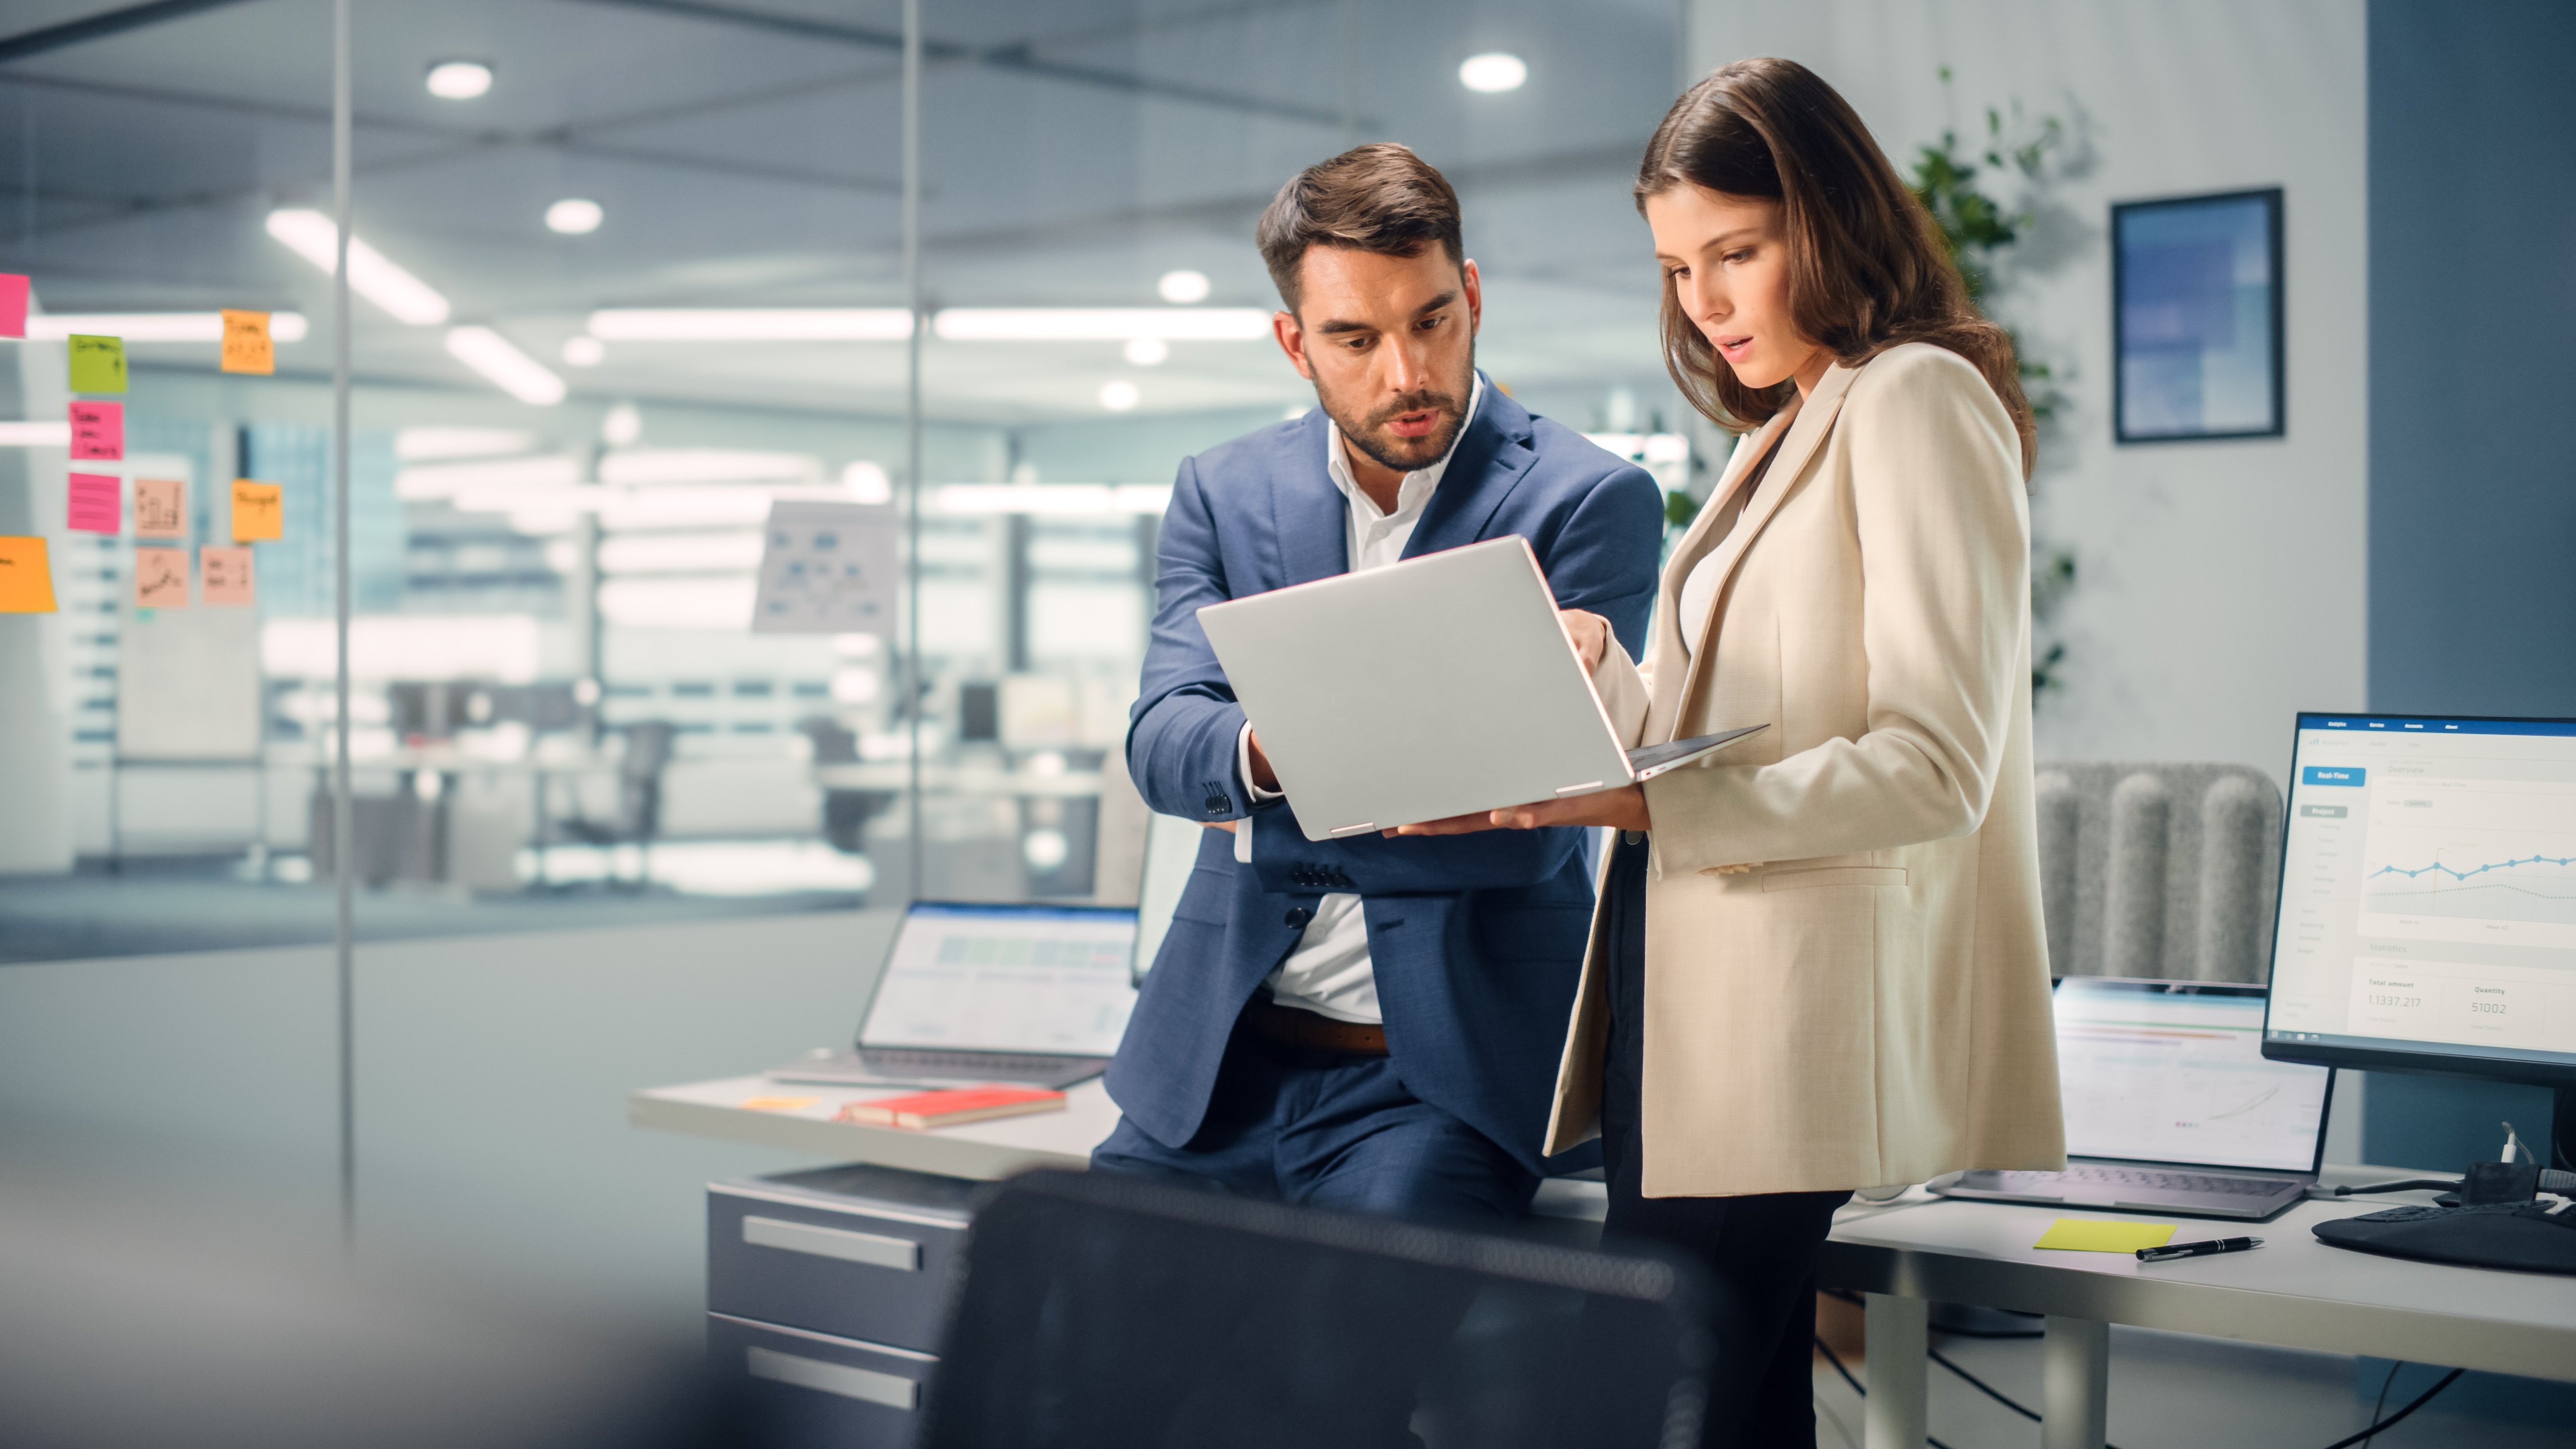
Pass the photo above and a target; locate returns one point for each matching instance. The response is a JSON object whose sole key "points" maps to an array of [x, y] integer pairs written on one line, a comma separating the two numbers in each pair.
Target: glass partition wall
{"points": [[628, 290]]}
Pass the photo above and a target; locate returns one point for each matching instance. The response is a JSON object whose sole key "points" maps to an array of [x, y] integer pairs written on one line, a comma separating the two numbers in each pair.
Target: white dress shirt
{"points": [[1330, 973]]}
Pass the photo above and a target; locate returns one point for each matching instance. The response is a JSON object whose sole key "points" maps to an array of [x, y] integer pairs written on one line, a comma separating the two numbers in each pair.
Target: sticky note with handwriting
{"points": [[248, 347], [98, 431], [98, 363], [258, 511], [224, 577], [26, 579], [160, 508], [160, 578], [2100, 1235], [13, 305], [97, 502]]}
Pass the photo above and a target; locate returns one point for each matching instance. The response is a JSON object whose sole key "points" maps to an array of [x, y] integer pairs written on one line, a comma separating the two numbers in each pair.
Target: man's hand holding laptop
{"points": [[1620, 809]]}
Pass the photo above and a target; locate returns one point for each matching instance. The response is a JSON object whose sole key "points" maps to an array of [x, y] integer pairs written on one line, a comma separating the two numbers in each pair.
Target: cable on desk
{"points": [[1835, 1359]]}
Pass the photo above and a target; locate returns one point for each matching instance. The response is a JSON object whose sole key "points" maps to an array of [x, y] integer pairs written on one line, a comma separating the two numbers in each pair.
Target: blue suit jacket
{"points": [[1477, 940]]}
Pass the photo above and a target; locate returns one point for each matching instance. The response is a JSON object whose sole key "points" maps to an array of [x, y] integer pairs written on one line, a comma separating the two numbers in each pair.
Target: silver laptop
{"points": [[1029, 995], [2171, 1106], [1439, 686]]}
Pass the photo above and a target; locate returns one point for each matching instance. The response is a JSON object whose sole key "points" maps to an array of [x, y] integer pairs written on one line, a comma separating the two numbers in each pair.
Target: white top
{"points": [[1330, 973], [1700, 589]]}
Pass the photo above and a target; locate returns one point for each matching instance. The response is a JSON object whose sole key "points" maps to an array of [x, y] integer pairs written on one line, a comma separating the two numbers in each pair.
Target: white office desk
{"points": [[2293, 1291]]}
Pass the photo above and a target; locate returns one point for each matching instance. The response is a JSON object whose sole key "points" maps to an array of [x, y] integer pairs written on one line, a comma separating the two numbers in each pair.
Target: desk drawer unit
{"points": [[857, 1252], [819, 1390]]}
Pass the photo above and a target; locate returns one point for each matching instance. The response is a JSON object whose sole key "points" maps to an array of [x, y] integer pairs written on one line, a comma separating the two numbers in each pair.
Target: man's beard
{"points": [[1406, 455]]}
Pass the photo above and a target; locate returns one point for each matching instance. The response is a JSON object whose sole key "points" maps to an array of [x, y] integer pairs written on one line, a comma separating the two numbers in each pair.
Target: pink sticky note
{"points": [[98, 431], [97, 504], [224, 577], [160, 578], [13, 305]]}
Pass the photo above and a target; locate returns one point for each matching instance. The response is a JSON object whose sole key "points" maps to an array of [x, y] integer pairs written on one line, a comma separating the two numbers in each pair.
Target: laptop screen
{"points": [[1006, 978], [2173, 1071]]}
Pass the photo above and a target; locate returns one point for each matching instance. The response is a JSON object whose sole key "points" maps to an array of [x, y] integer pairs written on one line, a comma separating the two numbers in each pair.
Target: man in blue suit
{"points": [[1368, 1024]]}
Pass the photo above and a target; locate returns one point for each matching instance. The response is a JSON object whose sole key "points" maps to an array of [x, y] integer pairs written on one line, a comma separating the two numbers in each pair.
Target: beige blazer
{"points": [[1846, 974]]}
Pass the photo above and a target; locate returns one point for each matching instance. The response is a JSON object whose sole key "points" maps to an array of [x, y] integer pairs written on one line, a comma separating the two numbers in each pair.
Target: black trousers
{"points": [[1759, 1251]]}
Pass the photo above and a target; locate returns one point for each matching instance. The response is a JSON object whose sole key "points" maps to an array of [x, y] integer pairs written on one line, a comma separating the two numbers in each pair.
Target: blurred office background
{"points": [[657, 285]]}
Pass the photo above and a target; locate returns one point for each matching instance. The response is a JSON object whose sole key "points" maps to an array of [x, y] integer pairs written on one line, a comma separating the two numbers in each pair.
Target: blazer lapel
{"points": [[1807, 433], [1308, 515], [1492, 453]]}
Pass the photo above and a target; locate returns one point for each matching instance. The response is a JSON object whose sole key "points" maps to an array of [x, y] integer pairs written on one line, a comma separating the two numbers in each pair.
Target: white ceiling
{"points": [[747, 154]]}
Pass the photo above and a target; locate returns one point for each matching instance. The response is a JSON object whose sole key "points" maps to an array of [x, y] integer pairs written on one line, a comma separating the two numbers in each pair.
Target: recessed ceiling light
{"points": [[574, 216], [1493, 71], [584, 351], [623, 425], [1120, 395], [1147, 351], [459, 80], [1183, 287]]}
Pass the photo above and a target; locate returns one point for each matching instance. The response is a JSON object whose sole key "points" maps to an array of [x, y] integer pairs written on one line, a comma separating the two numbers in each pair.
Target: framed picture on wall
{"points": [[2196, 318]]}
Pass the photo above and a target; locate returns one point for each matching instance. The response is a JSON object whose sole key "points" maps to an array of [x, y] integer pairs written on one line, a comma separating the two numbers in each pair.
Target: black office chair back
{"points": [[1100, 1310]]}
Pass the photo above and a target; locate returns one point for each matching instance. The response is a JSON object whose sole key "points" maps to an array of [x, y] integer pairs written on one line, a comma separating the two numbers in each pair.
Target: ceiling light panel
{"points": [[752, 324], [575, 216], [1101, 324], [155, 326], [313, 236], [459, 80], [494, 356]]}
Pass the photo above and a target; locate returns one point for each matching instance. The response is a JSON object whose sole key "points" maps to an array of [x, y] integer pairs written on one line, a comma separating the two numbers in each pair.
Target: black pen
{"points": [[2197, 1250]]}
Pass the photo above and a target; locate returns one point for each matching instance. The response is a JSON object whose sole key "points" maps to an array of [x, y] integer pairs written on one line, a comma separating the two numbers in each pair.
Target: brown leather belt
{"points": [[1286, 1026]]}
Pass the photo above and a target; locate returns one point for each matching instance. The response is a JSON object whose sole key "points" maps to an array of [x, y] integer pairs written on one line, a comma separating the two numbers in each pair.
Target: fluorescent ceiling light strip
{"points": [[35, 435], [752, 324], [707, 465], [423, 481], [154, 326], [513, 371], [1059, 499], [1101, 324], [314, 237], [416, 445]]}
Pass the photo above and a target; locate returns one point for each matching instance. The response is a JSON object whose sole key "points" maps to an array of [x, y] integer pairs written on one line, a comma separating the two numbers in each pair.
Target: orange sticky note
{"points": [[778, 1104], [224, 576], [247, 344], [98, 431], [26, 579], [160, 578], [160, 508], [259, 511], [97, 503]]}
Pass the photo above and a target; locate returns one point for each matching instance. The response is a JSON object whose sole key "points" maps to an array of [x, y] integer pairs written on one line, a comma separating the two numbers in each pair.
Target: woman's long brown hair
{"points": [[1867, 268]]}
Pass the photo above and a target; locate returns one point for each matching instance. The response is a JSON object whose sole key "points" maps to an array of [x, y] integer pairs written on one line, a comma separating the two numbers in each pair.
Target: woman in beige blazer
{"points": [[1817, 962]]}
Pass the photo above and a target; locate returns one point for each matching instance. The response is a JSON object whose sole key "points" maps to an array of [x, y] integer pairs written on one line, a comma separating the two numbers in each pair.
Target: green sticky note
{"points": [[2096, 1235], [98, 364]]}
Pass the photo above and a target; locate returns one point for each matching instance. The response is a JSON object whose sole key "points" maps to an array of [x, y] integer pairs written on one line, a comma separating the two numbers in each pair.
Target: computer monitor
{"points": [[2427, 917]]}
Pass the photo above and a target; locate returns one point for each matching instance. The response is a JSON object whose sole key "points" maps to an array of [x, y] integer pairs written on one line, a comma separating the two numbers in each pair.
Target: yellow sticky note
{"points": [[2098, 1235], [258, 511], [778, 1104], [26, 579], [98, 363], [247, 344]]}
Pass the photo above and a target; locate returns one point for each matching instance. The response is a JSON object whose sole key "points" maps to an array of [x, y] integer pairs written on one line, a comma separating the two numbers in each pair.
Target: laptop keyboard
{"points": [[970, 1063], [2152, 1179]]}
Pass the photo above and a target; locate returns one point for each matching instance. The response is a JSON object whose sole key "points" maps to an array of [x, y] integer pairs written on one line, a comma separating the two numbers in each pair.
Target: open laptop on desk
{"points": [[1032, 995], [2171, 1106]]}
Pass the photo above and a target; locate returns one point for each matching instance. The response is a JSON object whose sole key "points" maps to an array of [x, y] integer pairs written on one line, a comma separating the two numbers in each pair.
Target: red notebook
{"points": [[924, 1110]]}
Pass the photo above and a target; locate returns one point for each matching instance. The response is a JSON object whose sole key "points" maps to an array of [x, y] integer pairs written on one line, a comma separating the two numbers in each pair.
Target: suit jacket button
{"points": [[1299, 915], [1218, 804]]}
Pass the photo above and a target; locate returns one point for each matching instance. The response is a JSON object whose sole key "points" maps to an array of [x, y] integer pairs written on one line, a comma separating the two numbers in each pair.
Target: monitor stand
{"points": [[2498, 1224]]}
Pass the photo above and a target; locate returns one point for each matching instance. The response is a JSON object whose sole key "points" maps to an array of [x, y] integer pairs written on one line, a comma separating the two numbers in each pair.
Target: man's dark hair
{"points": [[1377, 198]]}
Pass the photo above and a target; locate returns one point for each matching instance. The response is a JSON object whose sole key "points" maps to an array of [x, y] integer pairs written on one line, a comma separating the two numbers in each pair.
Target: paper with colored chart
{"points": [[224, 577], [98, 363], [97, 503], [26, 579], [98, 431], [2098, 1235], [248, 346], [828, 568], [160, 578], [13, 305], [258, 511], [160, 508]]}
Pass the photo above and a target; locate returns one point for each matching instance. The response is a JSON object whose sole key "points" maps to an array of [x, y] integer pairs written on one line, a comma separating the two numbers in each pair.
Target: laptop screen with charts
{"points": [[2173, 1072], [1028, 979]]}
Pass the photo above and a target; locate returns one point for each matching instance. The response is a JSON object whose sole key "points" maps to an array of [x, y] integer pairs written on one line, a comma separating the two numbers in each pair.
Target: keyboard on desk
{"points": [[936, 1067], [2152, 1179], [2147, 1189]]}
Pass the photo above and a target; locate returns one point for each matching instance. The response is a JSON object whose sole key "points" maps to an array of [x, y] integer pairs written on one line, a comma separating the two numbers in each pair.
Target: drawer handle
{"points": [[874, 1249], [866, 1385]]}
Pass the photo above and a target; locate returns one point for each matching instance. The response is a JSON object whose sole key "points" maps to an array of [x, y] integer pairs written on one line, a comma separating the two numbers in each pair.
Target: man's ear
{"points": [[1475, 290], [1292, 340]]}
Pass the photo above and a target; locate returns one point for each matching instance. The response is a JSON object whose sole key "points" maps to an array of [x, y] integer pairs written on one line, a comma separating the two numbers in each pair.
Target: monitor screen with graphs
{"points": [[2428, 897]]}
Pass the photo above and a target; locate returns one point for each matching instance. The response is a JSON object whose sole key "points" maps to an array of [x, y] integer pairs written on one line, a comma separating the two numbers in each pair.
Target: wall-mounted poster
{"points": [[2196, 317]]}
